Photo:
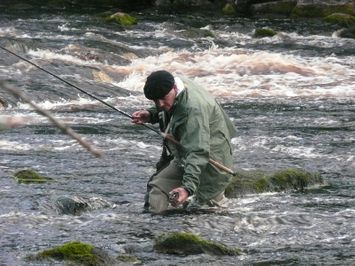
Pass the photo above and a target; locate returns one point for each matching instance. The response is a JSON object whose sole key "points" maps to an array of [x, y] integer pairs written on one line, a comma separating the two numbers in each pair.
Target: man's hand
{"points": [[179, 196], [140, 117]]}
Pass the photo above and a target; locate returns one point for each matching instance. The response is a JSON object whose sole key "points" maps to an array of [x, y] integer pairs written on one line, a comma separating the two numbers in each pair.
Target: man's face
{"points": [[167, 102]]}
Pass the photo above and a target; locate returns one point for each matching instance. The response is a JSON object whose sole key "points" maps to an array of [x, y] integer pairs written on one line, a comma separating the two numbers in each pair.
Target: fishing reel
{"points": [[173, 197]]}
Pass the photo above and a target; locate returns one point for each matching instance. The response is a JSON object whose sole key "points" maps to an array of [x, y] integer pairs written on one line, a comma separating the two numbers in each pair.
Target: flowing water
{"points": [[291, 97]]}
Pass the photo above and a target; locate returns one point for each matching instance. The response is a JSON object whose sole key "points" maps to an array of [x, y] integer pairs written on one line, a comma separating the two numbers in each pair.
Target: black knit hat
{"points": [[158, 84]]}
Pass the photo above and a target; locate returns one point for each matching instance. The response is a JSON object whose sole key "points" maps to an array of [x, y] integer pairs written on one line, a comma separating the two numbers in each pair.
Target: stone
{"points": [[122, 19], [341, 19], [259, 181], [182, 243], [29, 176], [264, 32], [74, 253]]}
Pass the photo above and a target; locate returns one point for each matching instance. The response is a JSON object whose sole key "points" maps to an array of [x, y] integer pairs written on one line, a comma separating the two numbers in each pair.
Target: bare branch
{"points": [[66, 129]]}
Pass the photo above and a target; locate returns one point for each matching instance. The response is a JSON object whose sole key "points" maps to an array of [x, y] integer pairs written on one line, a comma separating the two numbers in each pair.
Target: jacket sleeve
{"points": [[194, 136], [154, 115]]}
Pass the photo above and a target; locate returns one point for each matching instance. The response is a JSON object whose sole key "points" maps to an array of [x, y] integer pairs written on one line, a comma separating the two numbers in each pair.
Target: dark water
{"points": [[292, 98]]}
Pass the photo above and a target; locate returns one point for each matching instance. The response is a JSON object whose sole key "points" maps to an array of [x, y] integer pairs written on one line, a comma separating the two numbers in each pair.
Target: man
{"points": [[200, 130]]}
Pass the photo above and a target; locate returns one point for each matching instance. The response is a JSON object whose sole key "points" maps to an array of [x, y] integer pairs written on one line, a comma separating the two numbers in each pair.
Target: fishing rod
{"points": [[164, 135], [78, 88]]}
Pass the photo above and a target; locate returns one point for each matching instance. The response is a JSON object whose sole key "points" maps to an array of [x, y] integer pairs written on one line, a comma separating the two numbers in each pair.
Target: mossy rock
{"points": [[122, 18], [264, 32], [72, 252], [315, 11], [229, 9], [182, 243], [260, 181], [341, 19], [29, 176], [193, 33], [129, 259], [347, 32]]}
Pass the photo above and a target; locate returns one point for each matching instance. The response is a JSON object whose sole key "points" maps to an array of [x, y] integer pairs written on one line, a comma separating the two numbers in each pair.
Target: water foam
{"points": [[240, 73]]}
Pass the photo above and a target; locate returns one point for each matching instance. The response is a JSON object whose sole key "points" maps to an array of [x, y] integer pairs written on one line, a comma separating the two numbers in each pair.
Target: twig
{"points": [[66, 129]]}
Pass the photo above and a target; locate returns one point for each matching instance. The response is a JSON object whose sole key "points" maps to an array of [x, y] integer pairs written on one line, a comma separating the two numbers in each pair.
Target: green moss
{"points": [[183, 243], [341, 19], [261, 185], [129, 258], [264, 32], [30, 176], [122, 19], [76, 252], [261, 181], [229, 9], [314, 11]]}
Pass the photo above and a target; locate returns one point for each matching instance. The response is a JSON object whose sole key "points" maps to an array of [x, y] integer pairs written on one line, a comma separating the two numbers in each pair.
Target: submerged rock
{"points": [[264, 32], [29, 176], [75, 205], [129, 259], [75, 252], [260, 181], [183, 243], [122, 19], [192, 33]]}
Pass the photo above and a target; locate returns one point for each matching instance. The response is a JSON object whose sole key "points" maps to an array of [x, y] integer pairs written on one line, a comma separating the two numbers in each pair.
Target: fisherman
{"points": [[201, 130]]}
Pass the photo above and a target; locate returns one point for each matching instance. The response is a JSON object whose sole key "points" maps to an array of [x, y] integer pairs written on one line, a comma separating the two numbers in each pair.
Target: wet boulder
{"points": [[257, 181], [347, 32], [29, 176], [75, 205], [74, 253], [182, 243], [129, 259], [341, 19], [193, 33], [264, 32], [229, 9], [122, 19]]}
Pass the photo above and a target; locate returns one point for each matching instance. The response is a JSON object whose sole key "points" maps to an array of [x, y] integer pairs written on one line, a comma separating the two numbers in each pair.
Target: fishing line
{"points": [[165, 136], [79, 89]]}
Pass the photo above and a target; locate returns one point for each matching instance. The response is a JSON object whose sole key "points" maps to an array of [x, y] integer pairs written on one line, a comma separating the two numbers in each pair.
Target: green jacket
{"points": [[204, 131]]}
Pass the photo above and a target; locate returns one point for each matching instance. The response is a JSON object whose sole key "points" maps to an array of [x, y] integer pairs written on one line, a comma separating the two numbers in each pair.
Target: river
{"points": [[291, 97]]}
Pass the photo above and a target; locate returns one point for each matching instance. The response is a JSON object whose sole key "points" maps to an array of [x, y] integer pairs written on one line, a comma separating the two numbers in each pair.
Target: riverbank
{"points": [[338, 14], [250, 8]]}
